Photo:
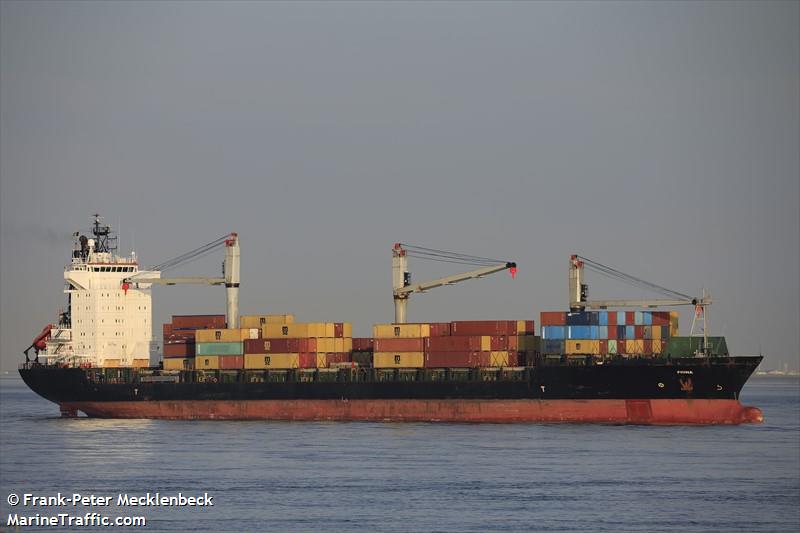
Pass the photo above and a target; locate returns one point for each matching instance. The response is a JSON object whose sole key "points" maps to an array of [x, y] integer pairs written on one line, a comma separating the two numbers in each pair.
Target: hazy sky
{"points": [[661, 138]]}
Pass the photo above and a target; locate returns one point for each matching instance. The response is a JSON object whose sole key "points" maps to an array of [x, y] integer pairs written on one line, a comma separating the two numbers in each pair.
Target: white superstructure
{"points": [[107, 322]]}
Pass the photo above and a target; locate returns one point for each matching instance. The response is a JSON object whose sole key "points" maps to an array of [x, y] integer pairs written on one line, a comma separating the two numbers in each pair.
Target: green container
{"points": [[687, 346], [219, 348]]}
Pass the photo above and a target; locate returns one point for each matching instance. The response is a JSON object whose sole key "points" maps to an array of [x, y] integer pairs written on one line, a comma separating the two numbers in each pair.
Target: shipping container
{"points": [[231, 362], [603, 347], [363, 344], [278, 361], [285, 345], [528, 343], [621, 320], [687, 346], [457, 359], [181, 349], [589, 347], [612, 318], [630, 318], [578, 319], [498, 358], [111, 363], [647, 332], [612, 347], [291, 331], [602, 332], [179, 364], [398, 360], [385, 331], [439, 329], [658, 346], [198, 321], [647, 346], [630, 332], [307, 360], [325, 360], [554, 332], [552, 346], [225, 335], [218, 348], [206, 362], [166, 330], [399, 344], [257, 321], [673, 323], [525, 327], [456, 344], [582, 332], [611, 331], [638, 332], [655, 332], [140, 363], [483, 327], [661, 318], [635, 346], [553, 318]]}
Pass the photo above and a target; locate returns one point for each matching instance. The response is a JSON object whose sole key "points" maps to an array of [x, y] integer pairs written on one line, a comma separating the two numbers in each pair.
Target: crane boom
{"points": [[401, 279], [230, 271]]}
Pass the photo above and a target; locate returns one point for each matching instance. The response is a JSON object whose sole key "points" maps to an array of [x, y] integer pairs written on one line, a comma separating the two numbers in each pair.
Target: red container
{"points": [[612, 318], [513, 358], [338, 357], [513, 343], [179, 349], [440, 329], [499, 342], [180, 336], [484, 327], [553, 318], [639, 331], [198, 321], [166, 330], [604, 347], [450, 344], [661, 318], [363, 344], [307, 360], [229, 362], [338, 329], [630, 318], [612, 332], [529, 328], [462, 359], [400, 345]]}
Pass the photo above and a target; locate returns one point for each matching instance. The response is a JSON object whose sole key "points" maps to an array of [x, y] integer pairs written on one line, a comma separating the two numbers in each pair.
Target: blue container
{"points": [[647, 318], [630, 332], [594, 331], [578, 319], [603, 332], [580, 332], [620, 318], [664, 333], [552, 346], [621, 333], [638, 320], [554, 332], [604, 318], [594, 318]]}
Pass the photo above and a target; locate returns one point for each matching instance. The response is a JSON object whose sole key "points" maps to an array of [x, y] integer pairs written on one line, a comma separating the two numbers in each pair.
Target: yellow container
{"points": [[656, 346], [278, 361], [179, 364], [347, 330], [290, 331], [111, 363], [655, 332], [224, 335], [347, 344], [325, 345], [398, 360], [580, 346], [402, 331], [673, 323], [206, 362], [256, 321], [141, 363], [635, 346], [498, 358], [486, 344]]}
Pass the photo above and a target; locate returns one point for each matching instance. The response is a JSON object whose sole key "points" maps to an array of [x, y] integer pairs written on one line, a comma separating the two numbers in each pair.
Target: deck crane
{"points": [[230, 273], [401, 277], [579, 293]]}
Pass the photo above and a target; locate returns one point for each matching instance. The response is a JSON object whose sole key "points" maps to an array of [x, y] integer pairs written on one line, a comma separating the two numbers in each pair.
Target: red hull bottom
{"points": [[678, 412]]}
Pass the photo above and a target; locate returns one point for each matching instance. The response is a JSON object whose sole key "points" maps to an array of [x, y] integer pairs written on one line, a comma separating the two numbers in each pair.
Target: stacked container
{"points": [[604, 333], [299, 345], [462, 344], [222, 349], [179, 339]]}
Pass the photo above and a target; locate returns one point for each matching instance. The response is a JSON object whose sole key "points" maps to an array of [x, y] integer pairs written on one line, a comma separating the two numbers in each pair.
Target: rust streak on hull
{"points": [[672, 411]]}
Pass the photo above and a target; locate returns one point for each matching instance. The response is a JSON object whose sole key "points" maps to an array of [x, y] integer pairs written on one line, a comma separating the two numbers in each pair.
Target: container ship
{"points": [[590, 363]]}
